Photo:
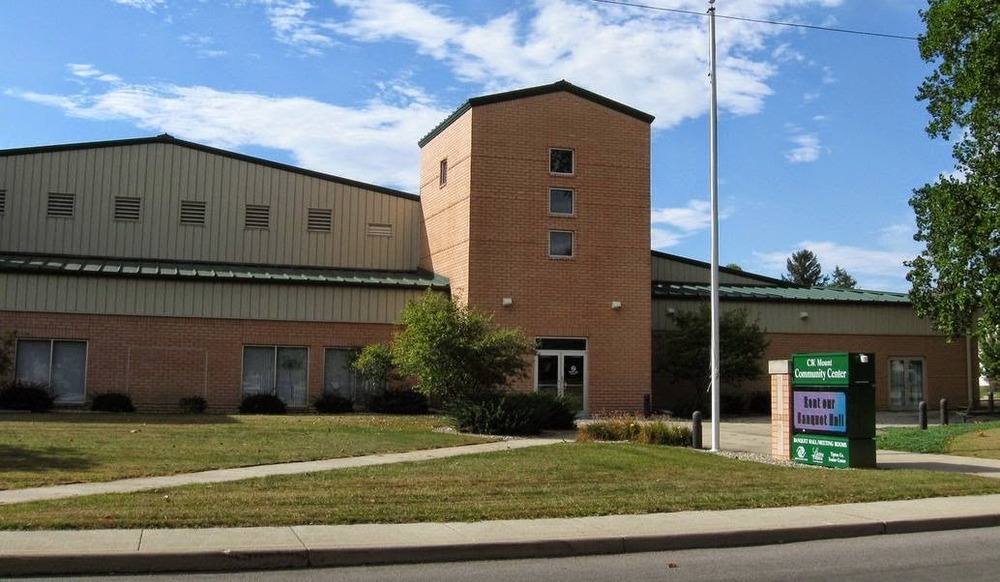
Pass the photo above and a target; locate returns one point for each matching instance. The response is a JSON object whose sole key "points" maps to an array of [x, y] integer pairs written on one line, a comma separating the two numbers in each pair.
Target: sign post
{"points": [[833, 409]]}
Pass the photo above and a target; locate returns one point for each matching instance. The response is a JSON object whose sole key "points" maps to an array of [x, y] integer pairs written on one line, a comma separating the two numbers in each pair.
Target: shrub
{"points": [[512, 413], [759, 403], [330, 403], [112, 402], [632, 429], [195, 404], [20, 395], [262, 404], [731, 404], [391, 401]]}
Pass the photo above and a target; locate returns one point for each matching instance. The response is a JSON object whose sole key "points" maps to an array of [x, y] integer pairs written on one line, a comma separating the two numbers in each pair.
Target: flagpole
{"points": [[713, 146]]}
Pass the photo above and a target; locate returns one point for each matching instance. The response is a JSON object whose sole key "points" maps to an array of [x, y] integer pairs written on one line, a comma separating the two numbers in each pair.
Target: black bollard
{"points": [[944, 411], [647, 405], [696, 429], [922, 413]]}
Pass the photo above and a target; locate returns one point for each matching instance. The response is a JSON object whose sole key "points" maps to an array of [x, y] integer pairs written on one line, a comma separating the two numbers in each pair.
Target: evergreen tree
{"points": [[804, 269], [842, 279]]}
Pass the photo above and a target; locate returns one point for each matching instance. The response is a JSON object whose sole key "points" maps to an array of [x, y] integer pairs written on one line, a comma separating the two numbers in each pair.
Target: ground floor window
{"points": [[62, 365], [338, 376], [276, 370], [906, 383]]}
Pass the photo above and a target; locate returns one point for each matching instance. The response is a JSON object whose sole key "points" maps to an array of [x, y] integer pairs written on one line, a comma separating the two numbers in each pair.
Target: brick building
{"points": [[164, 268]]}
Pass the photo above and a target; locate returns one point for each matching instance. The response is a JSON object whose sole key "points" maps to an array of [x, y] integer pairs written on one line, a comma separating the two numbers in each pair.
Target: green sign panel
{"points": [[820, 370], [828, 451]]}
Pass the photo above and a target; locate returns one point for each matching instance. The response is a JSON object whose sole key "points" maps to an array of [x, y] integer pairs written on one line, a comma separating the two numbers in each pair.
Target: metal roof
{"points": [[216, 272], [666, 290]]}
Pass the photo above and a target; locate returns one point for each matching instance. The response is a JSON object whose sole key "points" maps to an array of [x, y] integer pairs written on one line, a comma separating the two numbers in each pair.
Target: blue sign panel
{"points": [[819, 411]]}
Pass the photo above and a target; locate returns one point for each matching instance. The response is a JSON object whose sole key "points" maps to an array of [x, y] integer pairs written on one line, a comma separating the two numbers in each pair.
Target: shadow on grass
{"points": [[51, 459], [89, 417]]}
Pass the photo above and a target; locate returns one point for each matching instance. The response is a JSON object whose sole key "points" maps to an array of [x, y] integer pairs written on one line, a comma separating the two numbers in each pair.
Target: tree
{"points": [[841, 279], [956, 278], [685, 354], [455, 352], [804, 269]]}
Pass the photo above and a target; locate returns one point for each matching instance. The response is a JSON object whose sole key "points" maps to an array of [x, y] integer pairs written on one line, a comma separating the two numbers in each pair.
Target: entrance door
{"points": [[906, 383], [562, 372]]}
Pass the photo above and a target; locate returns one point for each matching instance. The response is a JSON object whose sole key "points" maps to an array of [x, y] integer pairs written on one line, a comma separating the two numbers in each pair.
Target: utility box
{"points": [[833, 409]]}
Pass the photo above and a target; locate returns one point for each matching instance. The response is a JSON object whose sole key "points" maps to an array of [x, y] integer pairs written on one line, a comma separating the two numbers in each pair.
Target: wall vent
{"points": [[60, 205], [379, 229], [127, 208], [320, 220], [3, 201], [257, 216], [193, 212]]}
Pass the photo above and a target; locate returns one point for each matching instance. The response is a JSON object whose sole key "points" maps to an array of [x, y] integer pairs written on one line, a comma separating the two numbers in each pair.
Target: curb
{"points": [[145, 561]]}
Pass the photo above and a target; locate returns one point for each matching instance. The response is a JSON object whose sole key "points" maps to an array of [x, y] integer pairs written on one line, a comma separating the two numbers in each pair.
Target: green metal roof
{"points": [[666, 290], [216, 272]]}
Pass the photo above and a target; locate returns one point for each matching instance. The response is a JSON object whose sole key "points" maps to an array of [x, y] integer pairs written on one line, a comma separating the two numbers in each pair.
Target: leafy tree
{"points": [[374, 364], [956, 278], [842, 279], [685, 356], [455, 352], [804, 269], [989, 358]]}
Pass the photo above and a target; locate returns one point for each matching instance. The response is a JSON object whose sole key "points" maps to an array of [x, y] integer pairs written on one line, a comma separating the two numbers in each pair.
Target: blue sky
{"points": [[821, 139]]}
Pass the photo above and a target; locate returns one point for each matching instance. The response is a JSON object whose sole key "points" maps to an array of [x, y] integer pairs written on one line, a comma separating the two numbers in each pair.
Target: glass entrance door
{"points": [[906, 383], [562, 373]]}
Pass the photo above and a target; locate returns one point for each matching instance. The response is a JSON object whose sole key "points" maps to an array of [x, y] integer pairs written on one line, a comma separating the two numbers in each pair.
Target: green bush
{"points": [[112, 402], [731, 404], [330, 403], [391, 401], [262, 404], [20, 395], [759, 403], [512, 413], [636, 430], [195, 404]]}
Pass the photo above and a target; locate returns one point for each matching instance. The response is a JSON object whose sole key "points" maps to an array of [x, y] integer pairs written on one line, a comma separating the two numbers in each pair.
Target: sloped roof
{"points": [[166, 138], [558, 86], [667, 290], [216, 272]]}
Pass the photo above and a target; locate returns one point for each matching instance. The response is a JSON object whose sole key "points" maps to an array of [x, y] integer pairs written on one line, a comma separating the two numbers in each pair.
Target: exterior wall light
{"points": [[507, 301], [616, 305], [803, 315]]}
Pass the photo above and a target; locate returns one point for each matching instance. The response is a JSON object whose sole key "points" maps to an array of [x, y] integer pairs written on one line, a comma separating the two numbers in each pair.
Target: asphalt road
{"points": [[967, 555]]}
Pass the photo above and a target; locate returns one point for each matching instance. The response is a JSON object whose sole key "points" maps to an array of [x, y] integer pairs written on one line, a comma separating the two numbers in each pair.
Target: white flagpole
{"points": [[714, 188]]}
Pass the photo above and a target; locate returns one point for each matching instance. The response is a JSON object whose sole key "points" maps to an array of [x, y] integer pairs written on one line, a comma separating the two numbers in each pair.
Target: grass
{"points": [[52, 449], [971, 440], [566, 480]]}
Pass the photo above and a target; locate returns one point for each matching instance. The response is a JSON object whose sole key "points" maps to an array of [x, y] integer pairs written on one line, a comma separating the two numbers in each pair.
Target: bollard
{"points": [[922, 413], [696, 429], [944, 411]]}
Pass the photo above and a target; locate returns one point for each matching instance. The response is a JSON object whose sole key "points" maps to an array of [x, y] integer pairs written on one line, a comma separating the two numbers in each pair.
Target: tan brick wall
{"points": [[158, 360], [509, 221]]}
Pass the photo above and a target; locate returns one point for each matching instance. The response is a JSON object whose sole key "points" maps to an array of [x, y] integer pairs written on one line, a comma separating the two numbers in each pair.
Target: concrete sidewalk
{"points": [[155, 550]]}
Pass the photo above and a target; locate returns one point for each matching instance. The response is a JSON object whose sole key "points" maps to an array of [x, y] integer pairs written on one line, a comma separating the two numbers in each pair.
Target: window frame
{"points": [[443, 173], [553, 161], [572, 244], [274, 386], [72, 398], [572, 202]]}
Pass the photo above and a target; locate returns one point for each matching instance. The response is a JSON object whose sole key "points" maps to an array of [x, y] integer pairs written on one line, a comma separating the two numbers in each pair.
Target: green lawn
{"points": [[50, 449], [970, 440], [567, 480]]}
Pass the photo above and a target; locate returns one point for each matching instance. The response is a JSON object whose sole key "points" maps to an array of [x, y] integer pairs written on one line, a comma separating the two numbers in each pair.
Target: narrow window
{"points": [[127, 208], [560, 243], [561, 201], [319, 220], [61, 365], [561, 161], [338, 376], [383, 230], [443, 172], [60, 205], [257, 216], [276, 370], [193, 212]]}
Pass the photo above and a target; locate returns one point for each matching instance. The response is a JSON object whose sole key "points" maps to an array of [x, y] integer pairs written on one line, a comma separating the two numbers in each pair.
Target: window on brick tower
{"points": [[560, 243], [561, 161], [443, 172], [561, 201]]}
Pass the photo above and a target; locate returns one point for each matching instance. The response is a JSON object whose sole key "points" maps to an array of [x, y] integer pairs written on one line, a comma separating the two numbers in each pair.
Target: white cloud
{"points": [[375, 142], [87, 71], [878, 268], [806, 148], [670, 225], [149, 5], [288, 19]]}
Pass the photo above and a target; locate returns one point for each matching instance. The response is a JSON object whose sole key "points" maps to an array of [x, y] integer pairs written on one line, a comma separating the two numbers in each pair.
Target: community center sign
{"points": [[833, 409]]}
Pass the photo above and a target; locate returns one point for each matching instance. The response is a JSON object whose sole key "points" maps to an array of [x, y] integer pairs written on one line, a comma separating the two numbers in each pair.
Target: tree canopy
{"points": [[842, 279], [456, 352], [804, 269], [955, 281]]}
